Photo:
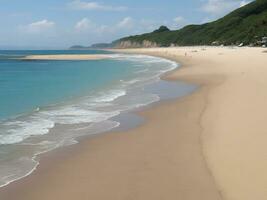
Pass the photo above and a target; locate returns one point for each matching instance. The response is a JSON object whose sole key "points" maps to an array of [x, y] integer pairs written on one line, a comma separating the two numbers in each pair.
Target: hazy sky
{"points": [[62, 23]]}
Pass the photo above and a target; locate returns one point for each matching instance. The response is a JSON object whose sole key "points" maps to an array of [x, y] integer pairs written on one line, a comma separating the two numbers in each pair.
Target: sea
{"points": [[81, 97]]}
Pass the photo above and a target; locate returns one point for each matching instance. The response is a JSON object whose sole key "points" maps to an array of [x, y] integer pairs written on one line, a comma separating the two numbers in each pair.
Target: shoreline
{"points": [[77, 139], [181, 151], [48, 159]]}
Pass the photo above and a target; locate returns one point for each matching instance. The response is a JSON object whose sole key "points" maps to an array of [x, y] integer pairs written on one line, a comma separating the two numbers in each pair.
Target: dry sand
{"points": [[207, 146], [67, 57]]}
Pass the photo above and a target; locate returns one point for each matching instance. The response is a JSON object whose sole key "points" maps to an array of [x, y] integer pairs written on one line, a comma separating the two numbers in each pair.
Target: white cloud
{"points": [[221, 7], [125, 26], [127, 23], [149, 25], [103, 29], [206, 20], [243, 3], [83, 25], [179, 20], [89, 5], [38, 27]]}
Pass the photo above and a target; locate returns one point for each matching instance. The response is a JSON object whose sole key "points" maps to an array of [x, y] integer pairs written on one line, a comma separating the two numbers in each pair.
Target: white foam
{"points": [[76, 115], [95, 110], [21, 130], [109, 96], [131, 81], [9, 179], [17, 131]]}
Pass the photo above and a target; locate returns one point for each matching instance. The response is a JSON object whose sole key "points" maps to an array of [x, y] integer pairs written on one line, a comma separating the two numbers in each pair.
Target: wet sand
{"points": [[209, 145]]}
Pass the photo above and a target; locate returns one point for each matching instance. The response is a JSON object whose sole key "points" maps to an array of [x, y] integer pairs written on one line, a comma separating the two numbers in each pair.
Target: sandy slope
{"points": [[234, 124], [207, 146]]}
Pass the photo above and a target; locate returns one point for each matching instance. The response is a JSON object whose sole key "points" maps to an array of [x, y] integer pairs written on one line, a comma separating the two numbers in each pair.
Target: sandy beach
{"points": [[209, 145], [67, 57]]}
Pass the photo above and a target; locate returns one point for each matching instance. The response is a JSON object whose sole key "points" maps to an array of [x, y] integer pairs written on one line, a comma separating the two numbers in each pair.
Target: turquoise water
{"points": [[48, 104], [27, 85]]}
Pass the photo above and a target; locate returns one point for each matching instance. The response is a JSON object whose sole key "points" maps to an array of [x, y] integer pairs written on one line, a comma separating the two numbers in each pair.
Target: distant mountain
{"points": [[94, 46], [162, 29], [78, 47], [246, 25]]}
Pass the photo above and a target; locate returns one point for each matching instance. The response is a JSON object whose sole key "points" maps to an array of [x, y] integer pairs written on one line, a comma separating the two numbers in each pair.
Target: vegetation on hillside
{"points": [[247, 25]]}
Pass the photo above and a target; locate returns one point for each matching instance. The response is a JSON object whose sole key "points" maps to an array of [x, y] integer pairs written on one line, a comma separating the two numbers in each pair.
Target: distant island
{"points": [[76, 47], [94, 46]]}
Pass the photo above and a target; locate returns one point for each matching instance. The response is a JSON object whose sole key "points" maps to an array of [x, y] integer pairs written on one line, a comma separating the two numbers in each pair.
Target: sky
{"points": [[58, 24]]}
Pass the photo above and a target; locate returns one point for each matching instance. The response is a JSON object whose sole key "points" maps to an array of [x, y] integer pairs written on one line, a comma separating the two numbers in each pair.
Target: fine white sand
{"points": [[234, 128], [210, 145]]}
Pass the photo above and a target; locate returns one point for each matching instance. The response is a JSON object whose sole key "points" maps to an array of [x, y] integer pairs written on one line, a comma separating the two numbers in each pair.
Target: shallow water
{"points": [[40, 99]]}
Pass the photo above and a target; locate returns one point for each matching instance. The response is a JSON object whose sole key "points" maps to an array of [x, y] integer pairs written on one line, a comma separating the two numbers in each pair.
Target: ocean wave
{"points": [[95, 111], [17, 131], [42, 121], [75, 115], [109, 96]]}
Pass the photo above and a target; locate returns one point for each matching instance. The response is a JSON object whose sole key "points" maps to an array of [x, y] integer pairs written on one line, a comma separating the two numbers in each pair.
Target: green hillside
{"points": [[246, 25]]}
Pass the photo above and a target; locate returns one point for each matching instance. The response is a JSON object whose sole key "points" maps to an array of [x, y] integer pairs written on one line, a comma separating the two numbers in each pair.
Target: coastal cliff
{"points": [[131, 44]]}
